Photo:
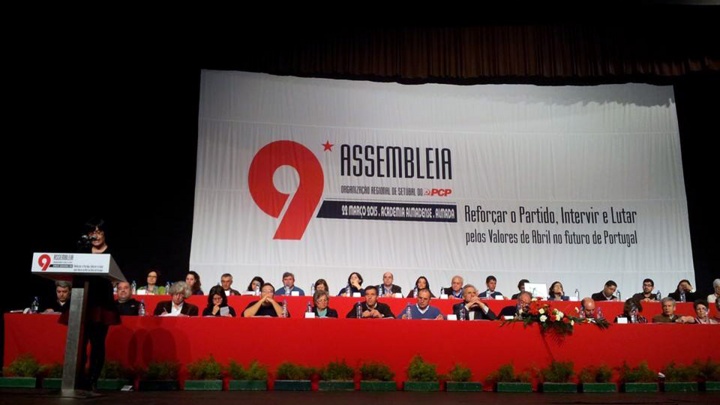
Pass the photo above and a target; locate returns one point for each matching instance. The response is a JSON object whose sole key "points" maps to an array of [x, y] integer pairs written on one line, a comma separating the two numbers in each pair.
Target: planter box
{"points": [[421, 386], [513, 387], [159, 385], [18, 382], [368, 385], [203, 385], [247, 385], [598, 387], [292, 385], [564, 388], [52, 383], [711, 386], [329, 385], [112, 384], [680, 387], [640, 387], [465, 386]]}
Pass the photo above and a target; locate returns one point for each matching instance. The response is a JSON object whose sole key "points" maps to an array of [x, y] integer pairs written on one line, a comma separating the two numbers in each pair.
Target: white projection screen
{"points": [[325, 177]]}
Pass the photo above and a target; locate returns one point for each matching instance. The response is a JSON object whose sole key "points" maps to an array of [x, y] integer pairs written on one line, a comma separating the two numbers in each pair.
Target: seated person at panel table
{"points": [[684, 292], [455, 290], [608, 292], [354, 285], [226, 281], [717, 310], [254, 287], [289, 286], [126, 304], [668, 312], [521, 288], [521, 309], [62, 294], [321, 300], [421, 283], [556, 292], [371, 308], [715, 296], [192, 279], [321, 285], [491, 283], [631, 312], [587, 310], [152, 288], [217, 303], [646, 295], [177, 306], [387, 288], [701, 314], [475, 309], [422, 309], [266, 305]]}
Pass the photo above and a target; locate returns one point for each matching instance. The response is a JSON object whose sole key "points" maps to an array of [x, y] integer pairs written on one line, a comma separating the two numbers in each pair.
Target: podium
{"points": [[69, 267]]}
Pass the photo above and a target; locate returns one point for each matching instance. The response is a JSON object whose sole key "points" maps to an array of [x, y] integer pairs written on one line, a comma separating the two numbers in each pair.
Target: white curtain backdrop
{"points": [[510, 148]]}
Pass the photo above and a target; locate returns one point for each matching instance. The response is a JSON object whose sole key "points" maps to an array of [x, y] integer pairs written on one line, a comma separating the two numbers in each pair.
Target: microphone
{"points": [[87, 238]]}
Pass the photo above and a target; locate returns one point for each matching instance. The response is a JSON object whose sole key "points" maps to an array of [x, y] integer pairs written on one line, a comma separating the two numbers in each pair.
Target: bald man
{"points": [[387, 288]]}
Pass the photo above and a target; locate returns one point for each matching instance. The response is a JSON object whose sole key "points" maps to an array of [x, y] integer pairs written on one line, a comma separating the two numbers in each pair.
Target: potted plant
{"points": [[506, 380], [21, 373], [638, 379], [114, 376], [337, 376], [205, 375], [680, 378], [293, 377], [376, 377], [252, 378], [596, 379], [51, 376], [422, 376], [556, 377], [458, 379], [160, 376], [709, 375]]}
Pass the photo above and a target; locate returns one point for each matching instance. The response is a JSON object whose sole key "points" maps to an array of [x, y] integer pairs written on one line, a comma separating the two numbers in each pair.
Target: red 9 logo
{"points": [[44, 261], [307, 196]]}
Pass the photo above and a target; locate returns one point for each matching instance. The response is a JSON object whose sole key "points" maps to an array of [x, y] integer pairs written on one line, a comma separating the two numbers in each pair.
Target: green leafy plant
{"points": [[54, 370], [709, 370], [557, 372], [506, 373], [164, 370], [114, 370], [459, 373], [595, 374], [419, 370], [205, 369], [337, 371], [376, 372], [255, 371], [678, 372], [24, 365], [641, 373], [292, 371]]}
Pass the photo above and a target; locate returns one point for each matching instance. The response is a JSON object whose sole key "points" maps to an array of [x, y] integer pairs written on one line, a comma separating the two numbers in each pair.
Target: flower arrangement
{"points": [[553, 320]]}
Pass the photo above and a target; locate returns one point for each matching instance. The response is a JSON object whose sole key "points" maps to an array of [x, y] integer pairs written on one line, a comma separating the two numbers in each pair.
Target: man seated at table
{"points": [[387, 288], [62, 302], [521, 309], [371, 308], [521, 288], [455, 289], [266, 305], [177, 306], [491, 283], [126, 305], [587, 309], [226, 281], [423, 309], [475, 309], [289, 286], [668, 312], [608, 292], [646, 295]]}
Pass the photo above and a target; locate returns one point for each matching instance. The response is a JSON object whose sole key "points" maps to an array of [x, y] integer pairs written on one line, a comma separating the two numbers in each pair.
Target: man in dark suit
{"points": [[371, 308], [474, 308], [608, 292], [387, 288], [177, 307], [226, 281], [455, 290], [519, 310], [126, 305]]}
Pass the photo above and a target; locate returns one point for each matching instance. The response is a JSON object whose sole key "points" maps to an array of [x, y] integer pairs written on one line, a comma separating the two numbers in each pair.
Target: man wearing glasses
{"points": [[474, 308], [646, 294]]}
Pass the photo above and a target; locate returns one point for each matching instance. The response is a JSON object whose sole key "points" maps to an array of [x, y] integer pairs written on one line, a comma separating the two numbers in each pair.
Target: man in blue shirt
{"points": [[289, 286], [422, 310]]}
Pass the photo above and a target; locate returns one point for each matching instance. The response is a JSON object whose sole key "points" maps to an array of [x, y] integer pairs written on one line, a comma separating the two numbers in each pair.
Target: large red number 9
{"points": [[44, 261]]}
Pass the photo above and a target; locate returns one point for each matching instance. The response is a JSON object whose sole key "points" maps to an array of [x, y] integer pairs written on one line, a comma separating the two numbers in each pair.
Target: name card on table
{"points": [[309, 314]]}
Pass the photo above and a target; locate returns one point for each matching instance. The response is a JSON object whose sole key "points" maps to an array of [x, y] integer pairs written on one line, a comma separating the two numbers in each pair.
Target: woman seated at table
{"points": [[192, 279], [556, 292], [631, 312], [321, 300], [217, 304], [355, 281], [683, 292], [420, 283], [255, 285], [715, 296], [152, 288], [322, 285], [701, 314]]}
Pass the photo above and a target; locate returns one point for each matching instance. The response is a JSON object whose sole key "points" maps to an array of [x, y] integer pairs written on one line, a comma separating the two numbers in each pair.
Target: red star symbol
{"points": [[328, 146]]}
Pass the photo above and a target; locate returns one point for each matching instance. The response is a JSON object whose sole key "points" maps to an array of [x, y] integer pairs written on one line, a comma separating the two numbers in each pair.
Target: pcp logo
{"points": [[44, 261], [440, 192], [307, 196]]}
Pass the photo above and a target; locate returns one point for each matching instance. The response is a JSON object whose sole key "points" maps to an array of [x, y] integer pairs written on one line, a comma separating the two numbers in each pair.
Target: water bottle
{"points": [[462, 312], [284, 309], [35, 306], [408, 312], [287, 290], [133, 287], [600, 313], [141, 309], [257, 290], [619, 295], [415, 291], [582, 312], [577, 294], [167, 288], [682, 296], [348, 290], [518, 311], [358, 310], [309, 307], [633, 315], [658, 296], [534, 292], [312, 289]]}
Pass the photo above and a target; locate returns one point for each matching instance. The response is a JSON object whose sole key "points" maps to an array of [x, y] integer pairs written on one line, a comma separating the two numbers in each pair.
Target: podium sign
{"points": [[63, 266]]}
